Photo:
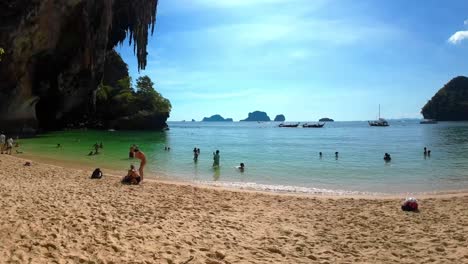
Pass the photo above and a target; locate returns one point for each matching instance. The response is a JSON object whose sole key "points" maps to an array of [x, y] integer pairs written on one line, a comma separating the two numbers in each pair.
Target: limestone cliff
{"points": [[450, 103], [257, 116], [216, 118], [55, 53]]}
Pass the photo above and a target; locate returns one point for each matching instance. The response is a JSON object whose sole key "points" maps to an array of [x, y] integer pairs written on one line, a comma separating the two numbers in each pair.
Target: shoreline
{"points": [[230, 186]]}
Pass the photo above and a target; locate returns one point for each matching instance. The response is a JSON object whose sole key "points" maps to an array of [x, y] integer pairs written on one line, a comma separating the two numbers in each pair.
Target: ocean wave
{"points": [[281, 188]]}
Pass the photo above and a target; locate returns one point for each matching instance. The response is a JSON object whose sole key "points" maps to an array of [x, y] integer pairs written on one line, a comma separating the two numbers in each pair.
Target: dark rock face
{"points": [[280, 118], [216, 118], [257, 116], [55, 53], [326, 119], [450, 103]]}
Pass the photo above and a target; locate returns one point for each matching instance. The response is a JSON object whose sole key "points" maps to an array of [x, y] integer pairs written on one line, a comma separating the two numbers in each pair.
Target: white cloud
{"points": [[458, 37]]}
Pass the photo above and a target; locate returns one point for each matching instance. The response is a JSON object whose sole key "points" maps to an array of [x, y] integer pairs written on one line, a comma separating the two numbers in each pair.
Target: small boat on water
{"points": [[318, 125], [381, 122], [288, 125], [428, 121]]}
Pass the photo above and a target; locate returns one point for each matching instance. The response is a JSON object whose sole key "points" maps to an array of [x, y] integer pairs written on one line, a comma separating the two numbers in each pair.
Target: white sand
{"points": [[50, 214]]}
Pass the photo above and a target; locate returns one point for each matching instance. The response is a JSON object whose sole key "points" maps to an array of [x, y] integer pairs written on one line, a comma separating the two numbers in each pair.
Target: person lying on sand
{"points": [[133, 177]]}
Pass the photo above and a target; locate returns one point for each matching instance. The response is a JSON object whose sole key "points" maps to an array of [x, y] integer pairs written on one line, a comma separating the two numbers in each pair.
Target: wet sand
{"points": [[51, 214]]}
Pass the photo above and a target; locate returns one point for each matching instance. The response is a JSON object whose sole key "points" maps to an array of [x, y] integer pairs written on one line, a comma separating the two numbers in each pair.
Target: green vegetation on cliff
{"points": [[450, 103], [118, 104]]}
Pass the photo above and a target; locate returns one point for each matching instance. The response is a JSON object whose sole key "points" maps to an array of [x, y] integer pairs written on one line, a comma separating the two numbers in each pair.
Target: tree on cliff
{"points": [[148, 98], [450, 103], [117, 99]]}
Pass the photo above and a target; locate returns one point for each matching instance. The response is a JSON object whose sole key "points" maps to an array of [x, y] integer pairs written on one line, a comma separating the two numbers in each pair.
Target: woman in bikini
{"points": [[141, 156]]}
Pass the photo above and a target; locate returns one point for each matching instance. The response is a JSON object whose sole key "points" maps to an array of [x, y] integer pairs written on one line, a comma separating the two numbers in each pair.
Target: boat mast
{"points": [[379, 111]]}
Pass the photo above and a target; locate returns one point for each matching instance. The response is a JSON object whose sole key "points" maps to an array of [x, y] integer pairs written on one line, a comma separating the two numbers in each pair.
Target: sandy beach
{"points": [[51, 214]]}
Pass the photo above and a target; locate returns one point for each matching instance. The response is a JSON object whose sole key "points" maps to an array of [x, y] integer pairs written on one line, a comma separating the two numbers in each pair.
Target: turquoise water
{"points": [[284, 158]]}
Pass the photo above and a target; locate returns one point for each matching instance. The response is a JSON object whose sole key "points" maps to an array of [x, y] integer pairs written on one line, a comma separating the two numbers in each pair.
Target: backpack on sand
{"points": [[97, 174]]}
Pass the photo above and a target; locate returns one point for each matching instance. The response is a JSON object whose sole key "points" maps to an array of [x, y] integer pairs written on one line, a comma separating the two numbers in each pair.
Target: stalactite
{"points": [[137, 18]]}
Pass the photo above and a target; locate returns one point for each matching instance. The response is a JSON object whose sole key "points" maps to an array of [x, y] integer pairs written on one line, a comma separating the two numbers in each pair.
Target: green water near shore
{"points": [[281, 159]]}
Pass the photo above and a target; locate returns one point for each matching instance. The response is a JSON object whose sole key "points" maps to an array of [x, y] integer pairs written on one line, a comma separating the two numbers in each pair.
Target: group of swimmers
{"points": [[387, 157], [336, 154]]}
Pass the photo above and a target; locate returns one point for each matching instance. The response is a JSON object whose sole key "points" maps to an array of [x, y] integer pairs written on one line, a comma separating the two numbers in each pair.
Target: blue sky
{"points": [[306, 59]]}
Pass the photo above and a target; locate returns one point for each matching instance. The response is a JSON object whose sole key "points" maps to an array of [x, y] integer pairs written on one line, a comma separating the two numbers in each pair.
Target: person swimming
{"points": [[387, 157], [241, 167]]}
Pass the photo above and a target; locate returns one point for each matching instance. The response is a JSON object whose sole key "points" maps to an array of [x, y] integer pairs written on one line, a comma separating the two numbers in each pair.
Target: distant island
{"points": [[450, 103], [326, 119], [216, 118], [280, 118], [257, 116], [193, 120]]}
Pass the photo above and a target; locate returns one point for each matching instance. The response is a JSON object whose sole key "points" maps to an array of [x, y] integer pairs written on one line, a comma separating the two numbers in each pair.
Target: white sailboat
{"points": [[381, 122]]}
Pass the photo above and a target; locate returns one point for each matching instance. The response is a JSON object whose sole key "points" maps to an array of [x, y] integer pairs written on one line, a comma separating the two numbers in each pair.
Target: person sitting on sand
{"points": [[141, 156], [216, 159], [133, 177]]}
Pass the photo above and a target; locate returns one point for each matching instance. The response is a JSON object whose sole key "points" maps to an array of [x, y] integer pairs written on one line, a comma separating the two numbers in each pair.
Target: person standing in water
{"points": [[131, 152], [195, 155], [216, 159], [141, 156]]}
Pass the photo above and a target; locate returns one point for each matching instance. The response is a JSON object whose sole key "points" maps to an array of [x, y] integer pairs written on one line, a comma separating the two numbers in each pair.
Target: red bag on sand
{"points": [[410, 204]]}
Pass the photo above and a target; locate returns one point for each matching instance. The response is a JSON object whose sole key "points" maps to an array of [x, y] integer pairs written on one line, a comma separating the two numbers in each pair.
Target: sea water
{"points": [[282, 159]]}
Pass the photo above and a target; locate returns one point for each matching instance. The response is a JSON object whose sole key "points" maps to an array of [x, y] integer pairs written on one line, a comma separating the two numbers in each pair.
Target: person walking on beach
{"points": [[9, 146], [2, 142], [141, 156], [216, 159]]}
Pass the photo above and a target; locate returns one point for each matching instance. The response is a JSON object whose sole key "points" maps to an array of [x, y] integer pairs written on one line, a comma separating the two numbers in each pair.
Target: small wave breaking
{"points": [[281, 188]]}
